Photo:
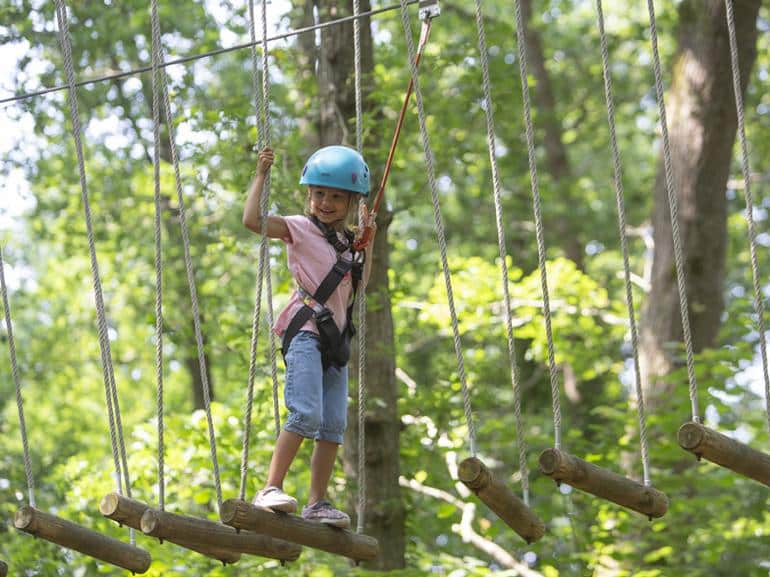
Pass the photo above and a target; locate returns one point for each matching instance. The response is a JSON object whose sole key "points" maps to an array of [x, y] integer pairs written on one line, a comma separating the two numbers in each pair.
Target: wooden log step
{"points": [[724, 451], [3, 569], [565, 468], [243, 515], [165, 525], [129, 512], [512, 510], [72, 536]]}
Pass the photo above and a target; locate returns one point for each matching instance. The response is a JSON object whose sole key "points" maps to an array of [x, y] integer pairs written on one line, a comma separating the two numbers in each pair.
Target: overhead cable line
{"points": [[217, 52]]}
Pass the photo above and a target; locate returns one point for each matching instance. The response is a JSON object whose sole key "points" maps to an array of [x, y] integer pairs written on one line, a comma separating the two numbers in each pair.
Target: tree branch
{"points": [[465, 528]]}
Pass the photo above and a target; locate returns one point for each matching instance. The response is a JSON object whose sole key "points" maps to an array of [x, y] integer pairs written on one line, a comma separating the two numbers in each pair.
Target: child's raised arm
{"points": [[273, 226]]}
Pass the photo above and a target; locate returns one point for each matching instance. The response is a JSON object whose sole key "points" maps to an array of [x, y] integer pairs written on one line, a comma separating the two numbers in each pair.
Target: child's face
{"points": [[329, 205]]}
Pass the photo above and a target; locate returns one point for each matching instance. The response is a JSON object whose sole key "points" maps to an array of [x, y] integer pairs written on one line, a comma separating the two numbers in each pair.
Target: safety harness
{"points": [[335, 345]]}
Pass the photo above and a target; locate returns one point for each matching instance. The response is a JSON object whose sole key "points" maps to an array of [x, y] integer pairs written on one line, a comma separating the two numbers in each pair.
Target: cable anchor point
{"points": [[429, 9]]}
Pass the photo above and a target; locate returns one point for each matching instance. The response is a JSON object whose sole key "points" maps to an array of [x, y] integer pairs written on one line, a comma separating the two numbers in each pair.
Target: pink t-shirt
{"points": [[310, 258]]}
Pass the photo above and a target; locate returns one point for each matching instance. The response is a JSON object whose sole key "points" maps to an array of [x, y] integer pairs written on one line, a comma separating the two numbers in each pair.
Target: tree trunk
{"points": [[174, 276], [556, 159], [385, 514], [702, 126], [559, 170]]}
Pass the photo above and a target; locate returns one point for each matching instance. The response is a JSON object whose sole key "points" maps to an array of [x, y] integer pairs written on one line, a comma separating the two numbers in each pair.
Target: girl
{"points": [[315, 324]]}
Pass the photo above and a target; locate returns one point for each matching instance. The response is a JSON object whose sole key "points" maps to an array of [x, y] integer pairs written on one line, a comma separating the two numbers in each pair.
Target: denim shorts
{"points": [[317, 400]]}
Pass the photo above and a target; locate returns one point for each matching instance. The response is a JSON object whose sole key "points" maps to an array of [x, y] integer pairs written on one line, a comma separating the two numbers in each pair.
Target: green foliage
{"points": [[717, 524]]}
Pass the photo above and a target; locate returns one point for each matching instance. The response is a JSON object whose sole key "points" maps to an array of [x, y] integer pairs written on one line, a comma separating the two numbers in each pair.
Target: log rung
{"points": [[129, 512], [565, 468], [725, 451], [3, 569], [500, 499], [243, 515], [73, 536], [170, 526]]}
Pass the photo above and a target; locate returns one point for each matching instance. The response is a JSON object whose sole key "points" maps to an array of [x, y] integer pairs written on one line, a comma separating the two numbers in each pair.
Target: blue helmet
{"points": [[337, 167]]}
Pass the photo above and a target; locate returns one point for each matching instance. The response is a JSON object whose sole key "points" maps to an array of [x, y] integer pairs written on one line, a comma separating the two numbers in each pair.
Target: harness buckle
{"points": [[341, 267], [323, 315], [306, 298]]}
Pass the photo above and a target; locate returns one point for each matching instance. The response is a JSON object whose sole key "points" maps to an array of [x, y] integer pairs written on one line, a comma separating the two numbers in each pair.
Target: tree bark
{"points": [[702, 126], [174, 277], [385, 515], [557, 161]]}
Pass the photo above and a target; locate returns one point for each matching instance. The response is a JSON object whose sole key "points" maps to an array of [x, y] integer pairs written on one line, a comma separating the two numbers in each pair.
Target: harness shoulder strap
{"points": [[325, 289], [330, 234], [329, 284], [332, 280]]}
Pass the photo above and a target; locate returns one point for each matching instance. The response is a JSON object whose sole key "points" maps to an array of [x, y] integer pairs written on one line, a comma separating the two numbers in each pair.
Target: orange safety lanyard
{"points": [[363, 240]]}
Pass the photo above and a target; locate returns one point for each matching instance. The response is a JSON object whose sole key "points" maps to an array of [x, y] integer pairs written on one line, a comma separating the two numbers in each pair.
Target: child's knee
{"points": [[335, 421], [334, 433], [304, 421]]}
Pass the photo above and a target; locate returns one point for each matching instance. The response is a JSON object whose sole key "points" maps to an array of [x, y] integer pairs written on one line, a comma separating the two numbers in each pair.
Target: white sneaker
{"points": [[275, 499]]}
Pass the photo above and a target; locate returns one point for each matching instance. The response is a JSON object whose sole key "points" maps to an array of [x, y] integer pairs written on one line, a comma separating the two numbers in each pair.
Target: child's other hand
{"points": [[367, 222], [366, 218], [266, 158]]}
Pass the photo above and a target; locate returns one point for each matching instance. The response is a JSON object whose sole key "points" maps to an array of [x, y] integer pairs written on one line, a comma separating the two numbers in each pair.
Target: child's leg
{"points": [[330, 435], [303, 397], [286, 448], [321, 466], [319, 509]]}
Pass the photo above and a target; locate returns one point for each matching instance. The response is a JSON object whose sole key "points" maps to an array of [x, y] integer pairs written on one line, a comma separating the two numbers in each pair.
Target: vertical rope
{"points": [[620, 201], [256, 79], [541, 253], [169, 115], [357, 74], [116, 435], [362, 395], [252, 369], [361, 516], [265, 85], [503, 253], [158, 255], [17, 384], [441, 236], [260, 275], [673, 205], [266, 191], [273, 347], [263, 271], [759, 307]]}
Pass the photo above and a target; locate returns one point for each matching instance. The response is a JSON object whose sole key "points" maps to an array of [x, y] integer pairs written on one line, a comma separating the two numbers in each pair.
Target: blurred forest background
{"points": [[718, 523]]}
